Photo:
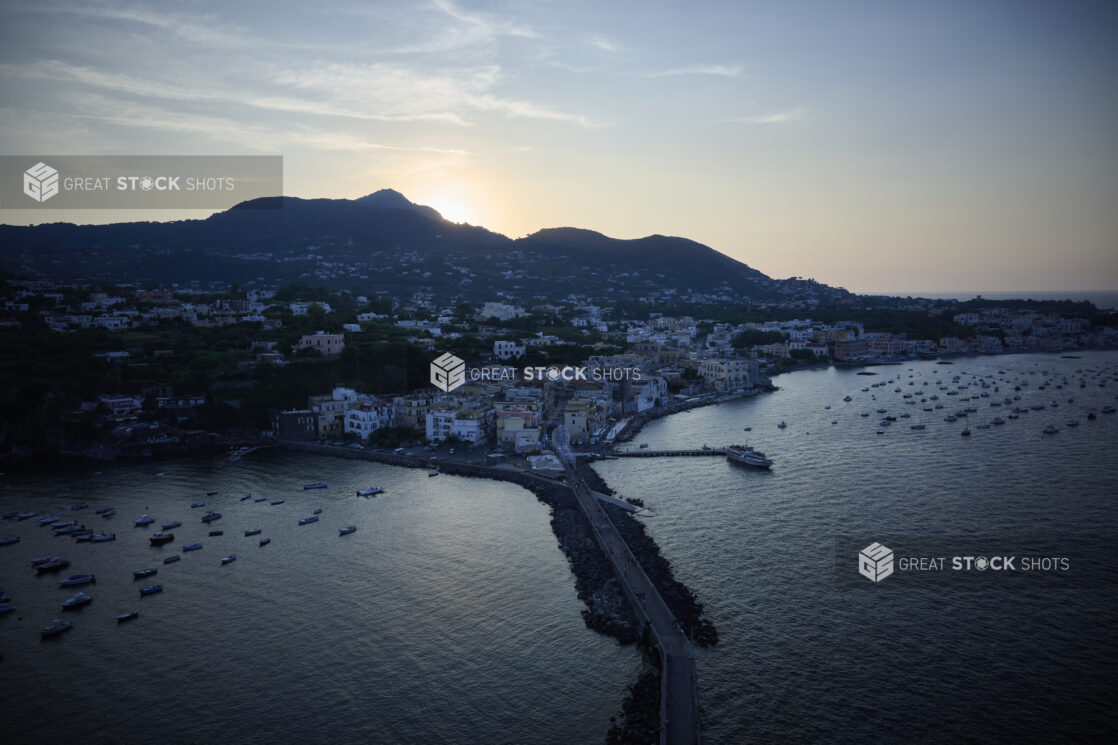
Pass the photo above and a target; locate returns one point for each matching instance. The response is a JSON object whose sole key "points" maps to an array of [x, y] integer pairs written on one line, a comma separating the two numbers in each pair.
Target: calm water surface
{"points": [[450, 616], [801, 660]]}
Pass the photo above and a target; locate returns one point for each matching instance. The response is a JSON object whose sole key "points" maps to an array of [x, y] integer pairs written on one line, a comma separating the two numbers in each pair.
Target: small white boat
{"points": [[55, 627], [77, 601]]}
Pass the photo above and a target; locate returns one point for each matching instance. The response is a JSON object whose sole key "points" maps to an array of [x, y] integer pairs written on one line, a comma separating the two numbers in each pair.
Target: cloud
{"points": [[528, 110], [725, 71], [796, 114], [488, 24], [605, 43]]}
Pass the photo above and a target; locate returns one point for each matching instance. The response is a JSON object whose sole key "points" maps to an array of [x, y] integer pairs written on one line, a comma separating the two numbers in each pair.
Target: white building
{"points": [[366, 418], [507, 350]]}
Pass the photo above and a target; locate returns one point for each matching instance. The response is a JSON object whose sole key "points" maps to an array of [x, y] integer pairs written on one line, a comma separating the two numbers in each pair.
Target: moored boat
{"points": [[158, 539], [216, 533], [371, 491], [192, 547], [74, 580], [265, 541], [77, 601], [317, 485], [10, 540], [151, 590], [252, 531], [308, 520], [141, 573], [172, 558], [171, 525], [277, 501], [209, 517], [56, 627], [229, 558], [55, 565], [127, 616], [144, 520], [347, 530]]}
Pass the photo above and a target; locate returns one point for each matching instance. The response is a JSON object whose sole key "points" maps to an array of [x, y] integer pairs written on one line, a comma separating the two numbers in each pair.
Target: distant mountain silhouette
{"points": [[384, 243]]}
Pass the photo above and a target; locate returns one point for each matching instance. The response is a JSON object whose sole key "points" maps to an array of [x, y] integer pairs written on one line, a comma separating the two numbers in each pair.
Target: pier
{"points": [[667, 453], [679, 688]]}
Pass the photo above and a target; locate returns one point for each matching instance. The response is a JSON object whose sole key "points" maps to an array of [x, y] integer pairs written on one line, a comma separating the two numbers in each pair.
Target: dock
{"points": [[667, 453]]}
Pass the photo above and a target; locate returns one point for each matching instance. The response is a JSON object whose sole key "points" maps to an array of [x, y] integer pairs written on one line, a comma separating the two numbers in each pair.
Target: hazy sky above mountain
{"points": [[873, 145]]}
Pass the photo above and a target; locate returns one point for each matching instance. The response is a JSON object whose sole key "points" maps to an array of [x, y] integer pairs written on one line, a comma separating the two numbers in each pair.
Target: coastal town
{"points": [[531, 367]]}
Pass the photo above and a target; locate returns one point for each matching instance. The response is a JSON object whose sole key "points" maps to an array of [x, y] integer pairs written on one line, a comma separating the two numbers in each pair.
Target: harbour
{"points": [[697, 503]]}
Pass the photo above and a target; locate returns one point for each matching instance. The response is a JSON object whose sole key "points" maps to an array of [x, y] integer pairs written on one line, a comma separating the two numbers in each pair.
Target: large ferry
{"points": [[748, 456]]}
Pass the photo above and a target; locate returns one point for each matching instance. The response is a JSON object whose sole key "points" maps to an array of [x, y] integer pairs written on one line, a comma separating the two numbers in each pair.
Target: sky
{"points": [[877, 146]]}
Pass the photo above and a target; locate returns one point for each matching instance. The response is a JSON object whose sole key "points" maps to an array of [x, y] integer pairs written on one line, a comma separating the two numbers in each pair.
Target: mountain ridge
{"points": [[384, 243]]}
